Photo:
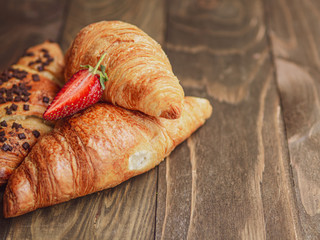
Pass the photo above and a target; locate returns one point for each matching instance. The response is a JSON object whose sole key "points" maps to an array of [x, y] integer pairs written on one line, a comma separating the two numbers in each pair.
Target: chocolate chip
{"points": [[2, 100], [44, 50], [45, 99], [22, 86], [3, 139], [26, 146], [8, 111], [10, 92], [16, 125], [22, 136], [4, 123], [14, 107], [19, 74], [9, 98], [46, 55], [35, 77], [17, 99], [25, 92], [36, 133], [5, 147], [38, 60], [30, 63], [40, 68], [17, 91], [26, 107], [2, 133], [50, 59], [3, 90]]}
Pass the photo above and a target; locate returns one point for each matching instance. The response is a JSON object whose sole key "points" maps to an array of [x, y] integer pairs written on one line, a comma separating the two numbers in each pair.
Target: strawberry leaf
{"points": [[103, 69], [88, 67], [102, 80]]}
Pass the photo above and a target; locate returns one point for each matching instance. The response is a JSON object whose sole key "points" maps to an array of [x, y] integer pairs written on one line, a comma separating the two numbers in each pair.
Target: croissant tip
{"points": [[173, 112]]}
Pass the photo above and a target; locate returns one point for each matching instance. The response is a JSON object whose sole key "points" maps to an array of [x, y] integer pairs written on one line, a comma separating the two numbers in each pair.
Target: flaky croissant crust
{"points": [[140, 74], [94, 150]]}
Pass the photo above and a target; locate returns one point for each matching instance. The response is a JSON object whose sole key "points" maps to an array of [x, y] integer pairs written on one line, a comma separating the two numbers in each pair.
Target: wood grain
{"points": [[231, 180], [252, 171], [104, 215], [27, 23], [294, 34], [147, 15]]}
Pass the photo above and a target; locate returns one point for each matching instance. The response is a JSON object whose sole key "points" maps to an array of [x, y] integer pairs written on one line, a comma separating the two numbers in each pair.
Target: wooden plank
{"points": [[294, 34], [231, 179], [147, 15], [119, 213], [27, 23]]}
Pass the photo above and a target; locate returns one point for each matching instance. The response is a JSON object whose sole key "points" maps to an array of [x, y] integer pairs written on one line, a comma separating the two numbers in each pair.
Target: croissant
{"points": [[140, 74], [26, 90], [94, 150]]}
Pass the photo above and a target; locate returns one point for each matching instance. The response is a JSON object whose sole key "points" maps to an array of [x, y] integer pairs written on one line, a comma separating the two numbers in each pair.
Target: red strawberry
{"points": [[82, 90]]}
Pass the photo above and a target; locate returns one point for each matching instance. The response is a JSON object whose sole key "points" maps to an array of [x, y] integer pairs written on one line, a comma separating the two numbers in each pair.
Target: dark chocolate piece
{"points": [[14, 107], [17, 99], [4, 123], [35, 77], [22, 136], [26, 146], [25, 107], [6, 147], [36, 133], [16, 126], [45, 99], [8, 111]]}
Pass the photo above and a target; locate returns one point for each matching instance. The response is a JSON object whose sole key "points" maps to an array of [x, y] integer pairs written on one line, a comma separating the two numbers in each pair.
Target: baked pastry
{"points": [[140, 74], [26, 90], [94, 150]]}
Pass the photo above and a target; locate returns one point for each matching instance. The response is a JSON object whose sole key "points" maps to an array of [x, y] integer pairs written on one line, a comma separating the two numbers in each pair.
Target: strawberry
{"points": [[82, 90]]}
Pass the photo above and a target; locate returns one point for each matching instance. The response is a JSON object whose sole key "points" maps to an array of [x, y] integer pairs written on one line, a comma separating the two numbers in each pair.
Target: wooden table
{"points": [[252, 171]]}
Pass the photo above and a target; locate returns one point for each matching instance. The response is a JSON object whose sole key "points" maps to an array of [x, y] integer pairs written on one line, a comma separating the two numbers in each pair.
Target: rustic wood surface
{"points": [[252, 171]]}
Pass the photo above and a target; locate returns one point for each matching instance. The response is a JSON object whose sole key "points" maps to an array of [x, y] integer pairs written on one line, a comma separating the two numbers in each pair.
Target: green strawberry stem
{"points": [[98, 64], [102, 74]]}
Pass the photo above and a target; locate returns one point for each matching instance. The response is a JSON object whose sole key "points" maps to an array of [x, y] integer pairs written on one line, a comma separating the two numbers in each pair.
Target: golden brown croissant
{"points": [[94, 150], [140, 74], [25, 92]]}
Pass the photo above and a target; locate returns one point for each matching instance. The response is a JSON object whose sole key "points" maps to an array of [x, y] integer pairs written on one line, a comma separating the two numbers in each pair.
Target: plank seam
{"points": [[291, 182]]}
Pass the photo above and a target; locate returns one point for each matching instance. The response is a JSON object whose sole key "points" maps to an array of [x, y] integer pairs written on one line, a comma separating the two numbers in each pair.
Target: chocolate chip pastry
{"points": [[26, 90], [97, 149]]}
